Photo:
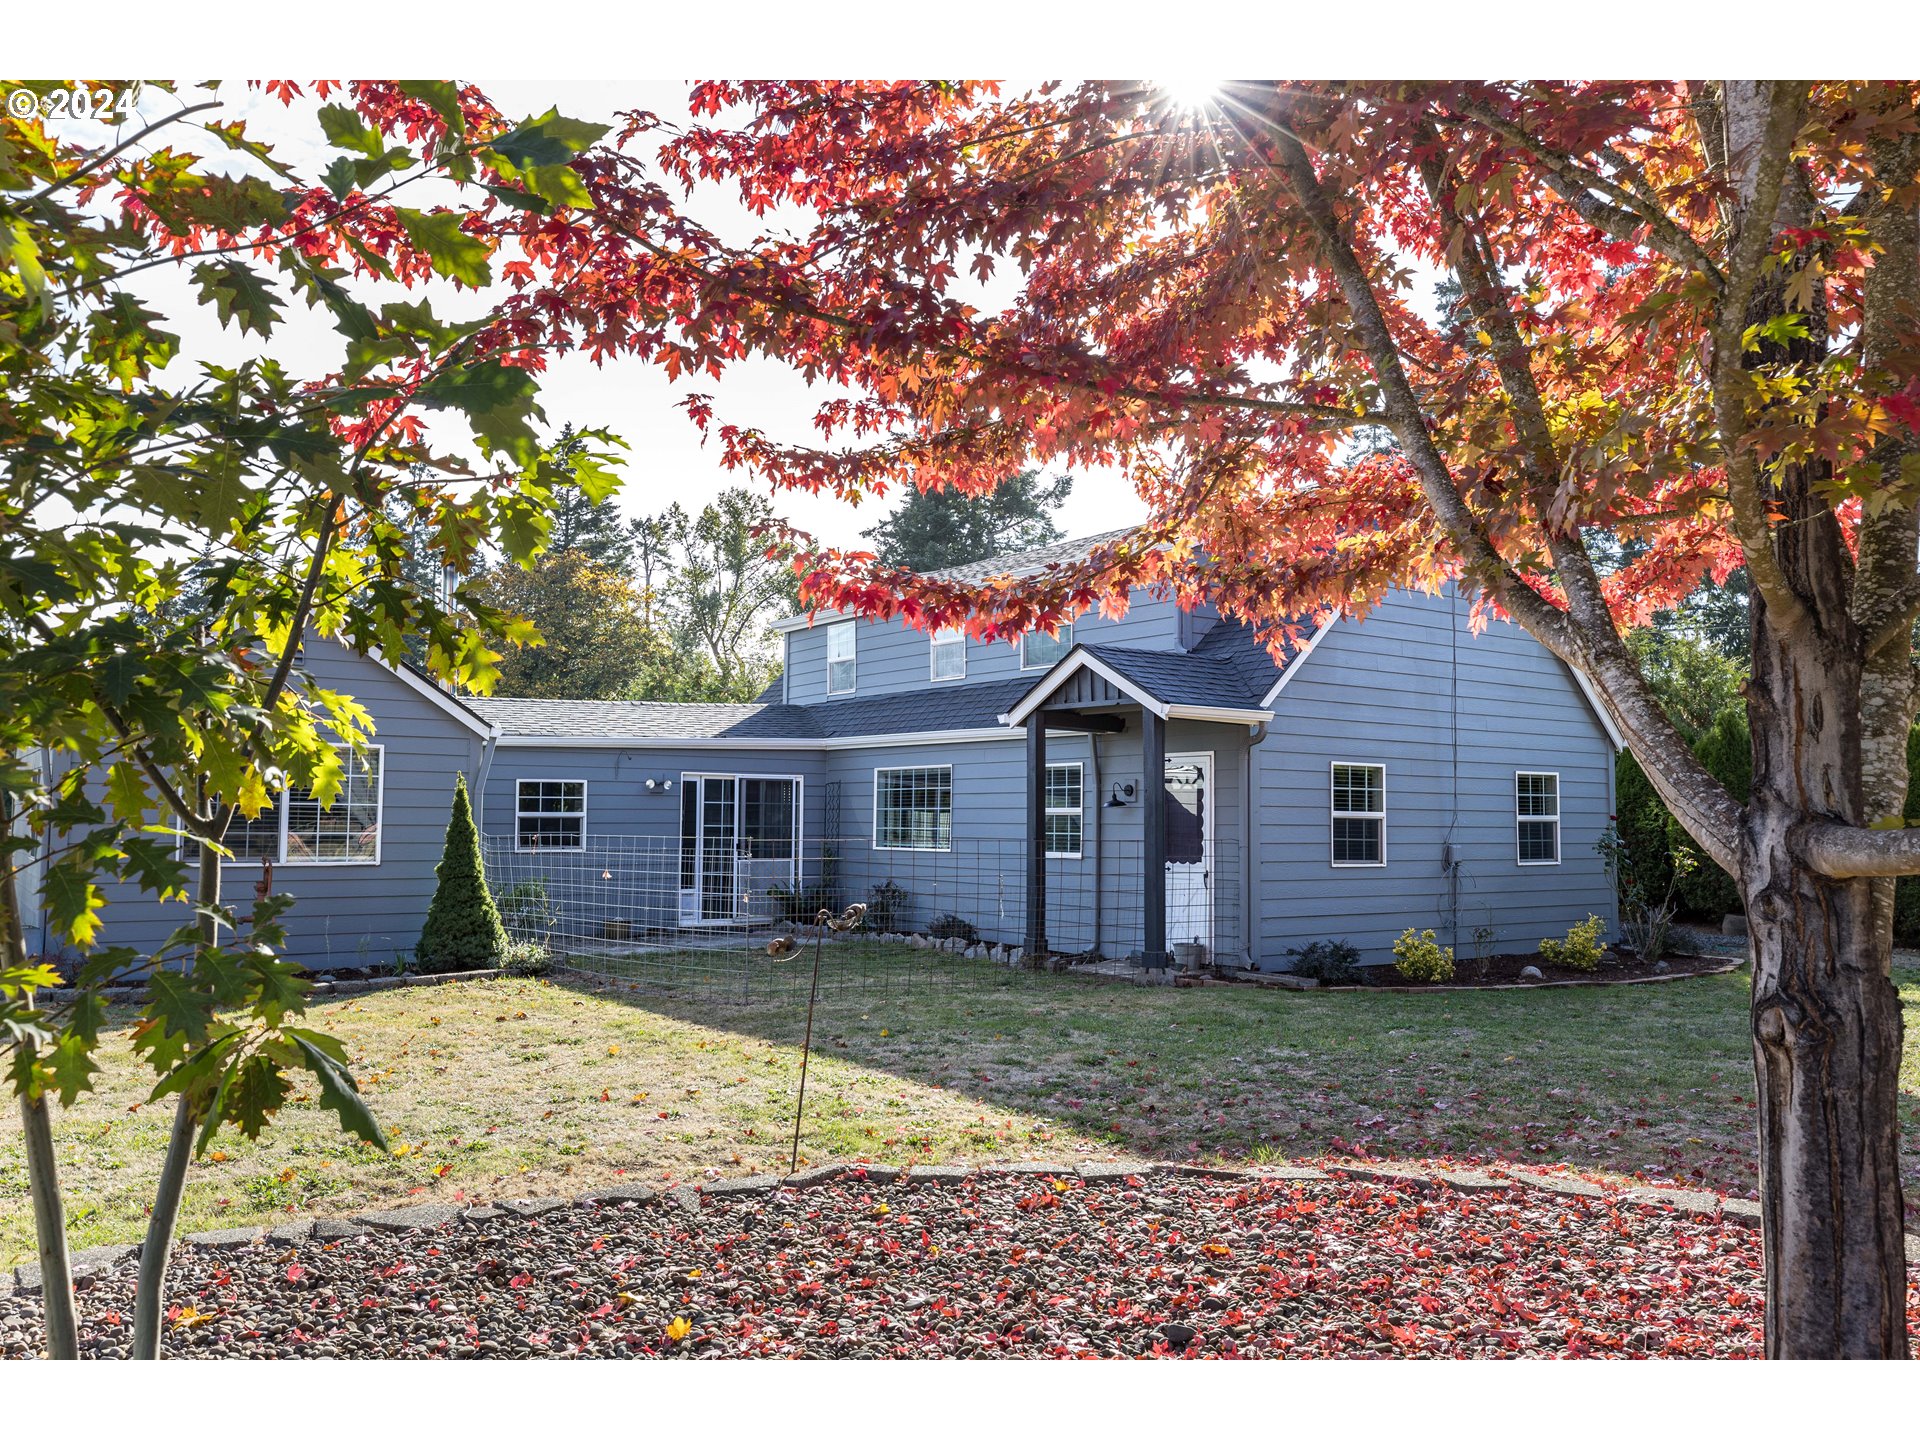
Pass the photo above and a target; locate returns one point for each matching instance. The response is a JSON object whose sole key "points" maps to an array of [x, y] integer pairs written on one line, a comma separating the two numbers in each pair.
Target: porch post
{"points": [[1036, 945], [1153, 820]]}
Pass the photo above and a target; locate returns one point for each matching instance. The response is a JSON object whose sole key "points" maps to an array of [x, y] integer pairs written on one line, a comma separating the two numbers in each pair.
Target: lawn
{"points": [[521, 1087]]}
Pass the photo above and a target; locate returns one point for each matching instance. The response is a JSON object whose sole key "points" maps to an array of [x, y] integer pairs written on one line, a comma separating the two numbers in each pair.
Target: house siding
{"points": [[348, 915], [1452, 716]]}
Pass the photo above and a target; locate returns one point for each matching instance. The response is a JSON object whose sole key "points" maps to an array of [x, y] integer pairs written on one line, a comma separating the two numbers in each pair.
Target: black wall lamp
{"points": [[1122, 796]]}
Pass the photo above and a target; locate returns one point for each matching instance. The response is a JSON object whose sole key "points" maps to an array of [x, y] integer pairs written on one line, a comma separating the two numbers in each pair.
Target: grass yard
{"points": [[523, 1087]]}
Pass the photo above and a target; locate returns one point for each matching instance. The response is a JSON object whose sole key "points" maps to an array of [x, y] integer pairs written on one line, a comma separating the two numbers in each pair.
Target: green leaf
{"points": [[239, 295], [454, 253], [518, 199], [497, 401], [552, 139], [127, 791], [70, 1064], [342, 126], [179, 1006], [558, 185], [443, 96], [338, 1092], [73, 901], [253, 1094]]}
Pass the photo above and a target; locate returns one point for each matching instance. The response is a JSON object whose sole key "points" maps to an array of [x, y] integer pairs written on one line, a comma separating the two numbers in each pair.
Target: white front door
{"points": [[739, 838], [1189, 782]]}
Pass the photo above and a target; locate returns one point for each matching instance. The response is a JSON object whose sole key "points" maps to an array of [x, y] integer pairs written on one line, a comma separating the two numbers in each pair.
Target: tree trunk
{"points": [[150, 1294], [1826, 1018]]}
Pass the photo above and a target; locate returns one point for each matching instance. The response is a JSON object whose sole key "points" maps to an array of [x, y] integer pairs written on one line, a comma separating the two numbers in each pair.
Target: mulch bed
{"points": [[1019, 1265], [1615, 966]]}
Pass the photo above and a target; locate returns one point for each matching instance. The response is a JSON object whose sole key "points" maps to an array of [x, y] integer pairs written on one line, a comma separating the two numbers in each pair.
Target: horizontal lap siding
{"points": [[350, 914], [1381, 692], [890, 656]]}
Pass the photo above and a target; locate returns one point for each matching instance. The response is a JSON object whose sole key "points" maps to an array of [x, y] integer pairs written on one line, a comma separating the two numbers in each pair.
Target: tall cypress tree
{"points": [[463, 929]]}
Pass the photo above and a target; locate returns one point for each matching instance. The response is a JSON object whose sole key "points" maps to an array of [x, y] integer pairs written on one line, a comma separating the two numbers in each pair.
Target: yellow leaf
{"points": [[613, 1049], [679, 1329]]}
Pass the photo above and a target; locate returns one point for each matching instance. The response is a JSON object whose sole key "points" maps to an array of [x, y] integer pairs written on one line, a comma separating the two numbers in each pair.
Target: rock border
{"points": [[89, 1264], [1302, 984], [323, 988]]}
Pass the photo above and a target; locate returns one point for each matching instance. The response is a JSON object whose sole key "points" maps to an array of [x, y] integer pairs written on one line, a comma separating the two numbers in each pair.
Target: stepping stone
{"points": [[879, 1172], [938, 1174], [1471, 1180], [1746, 1212], [85, 1266], [237, 1239], [1029, 1167], [740, 1185], [297, 1232], [687, 1198], [1289, 982], [412, 1217], [527, 1209], [818, 1175], [329, 1228], [1561, 1185], [480, 1214], [1913, 1250], [621, 1194], [1689, 1202], [1290, 1172], [1106, 1170], [1202, 1172], [1377, 1174]]}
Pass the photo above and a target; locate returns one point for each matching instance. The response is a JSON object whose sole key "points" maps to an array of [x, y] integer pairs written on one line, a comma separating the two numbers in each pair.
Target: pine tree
{"points": [[463, 929]]}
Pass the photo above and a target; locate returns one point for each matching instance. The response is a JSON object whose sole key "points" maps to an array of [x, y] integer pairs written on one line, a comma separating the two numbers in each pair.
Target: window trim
{"points": [[874, 837], [852, 658], [1079, 811], [1559, 850], [1380, 815], [280, 861], [950, 637], [519, 813], [1067, 628]]}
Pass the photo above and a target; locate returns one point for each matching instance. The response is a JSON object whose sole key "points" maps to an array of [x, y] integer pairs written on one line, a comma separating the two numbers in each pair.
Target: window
{"points": [[1536, 811], [294, 829], [1359, 814], [840, 658], [949, 650], [1041, 651], [550, 815], [1063, 819], [913, 808]]}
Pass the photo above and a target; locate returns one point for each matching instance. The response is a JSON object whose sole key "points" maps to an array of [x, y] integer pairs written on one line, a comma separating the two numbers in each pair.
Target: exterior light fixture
{"points": [[1123, 793]]}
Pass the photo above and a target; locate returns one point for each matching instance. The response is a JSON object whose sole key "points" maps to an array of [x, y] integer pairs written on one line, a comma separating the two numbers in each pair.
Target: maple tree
{"points": [[1677, 313], [170, 531]]}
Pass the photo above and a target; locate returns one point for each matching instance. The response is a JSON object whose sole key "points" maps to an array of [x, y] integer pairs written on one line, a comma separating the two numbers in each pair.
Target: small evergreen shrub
{"points": [[1580, 950], [463, 929], [1331, 962], [887, 907], [1420, 958]]}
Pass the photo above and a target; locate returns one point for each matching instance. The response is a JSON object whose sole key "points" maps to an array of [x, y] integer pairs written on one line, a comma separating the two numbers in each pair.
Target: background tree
{"points": [[728, 583], [933, 529], [595, 642], [166, 543], [1685, 313], [582, 524]]}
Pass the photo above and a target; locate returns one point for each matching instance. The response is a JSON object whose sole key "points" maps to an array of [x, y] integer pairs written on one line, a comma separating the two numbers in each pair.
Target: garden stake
{"points": [[822, 922]]}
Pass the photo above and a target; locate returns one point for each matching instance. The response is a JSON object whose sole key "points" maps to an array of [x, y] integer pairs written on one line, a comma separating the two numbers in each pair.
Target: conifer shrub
{"points": [[463, 929]]}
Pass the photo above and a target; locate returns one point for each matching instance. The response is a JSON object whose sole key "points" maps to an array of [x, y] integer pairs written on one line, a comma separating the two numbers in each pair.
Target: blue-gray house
{"points": [[1133, 787]]}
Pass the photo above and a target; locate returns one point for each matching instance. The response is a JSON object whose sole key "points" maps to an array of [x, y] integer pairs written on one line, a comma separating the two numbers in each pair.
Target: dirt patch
{"points": [[1616, 967]]}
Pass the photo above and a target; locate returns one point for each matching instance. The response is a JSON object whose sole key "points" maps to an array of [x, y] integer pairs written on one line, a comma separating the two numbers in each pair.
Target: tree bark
{"points": [[150, 1296], [1826, 1017]]}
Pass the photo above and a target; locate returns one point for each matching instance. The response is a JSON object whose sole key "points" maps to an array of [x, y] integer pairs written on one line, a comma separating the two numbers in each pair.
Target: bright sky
{"points": [[665, 461]]}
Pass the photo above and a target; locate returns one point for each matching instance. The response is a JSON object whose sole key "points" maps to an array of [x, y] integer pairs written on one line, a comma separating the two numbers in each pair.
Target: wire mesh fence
{"points": [[735, 922]]}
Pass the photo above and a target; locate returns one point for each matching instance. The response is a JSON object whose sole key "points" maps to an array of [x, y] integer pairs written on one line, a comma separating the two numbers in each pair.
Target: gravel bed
{"points": [[993, 1265]]}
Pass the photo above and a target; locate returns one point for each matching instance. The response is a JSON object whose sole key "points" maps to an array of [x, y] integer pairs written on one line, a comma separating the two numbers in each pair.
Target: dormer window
{"points": [[949, 654], [1041, 651], [840, 658]]}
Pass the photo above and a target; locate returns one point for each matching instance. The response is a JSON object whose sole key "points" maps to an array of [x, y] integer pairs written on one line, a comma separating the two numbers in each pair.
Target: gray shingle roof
{"points": [[1232, 642], [1180, 679], [1026, 562], [646, 720]]}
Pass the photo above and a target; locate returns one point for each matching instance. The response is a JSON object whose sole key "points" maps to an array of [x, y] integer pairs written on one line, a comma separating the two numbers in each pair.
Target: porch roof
{"points": [[1223, 678]]}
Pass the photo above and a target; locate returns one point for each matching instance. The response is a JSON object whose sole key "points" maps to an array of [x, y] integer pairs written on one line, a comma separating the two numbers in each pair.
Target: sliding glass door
{"points": [[739, 838]]}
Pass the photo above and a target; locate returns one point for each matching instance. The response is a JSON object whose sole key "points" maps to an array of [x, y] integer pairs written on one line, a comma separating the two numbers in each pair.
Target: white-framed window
{"points": [[913, 808], [1359, 814], [294, 829], [550, 815], [1041, 651], [947, 651], [1536, 817], [1064, 817], [840, 658]]}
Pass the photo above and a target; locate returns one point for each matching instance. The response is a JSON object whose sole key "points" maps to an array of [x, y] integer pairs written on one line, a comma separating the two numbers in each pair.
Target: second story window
{"points": [[1041, 651], [840, 658], [949, 650]]}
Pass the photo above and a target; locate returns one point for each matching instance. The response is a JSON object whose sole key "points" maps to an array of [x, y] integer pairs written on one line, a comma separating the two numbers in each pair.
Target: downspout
{"points": [[479, 797], [1093, 788], [1258, 734]]}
